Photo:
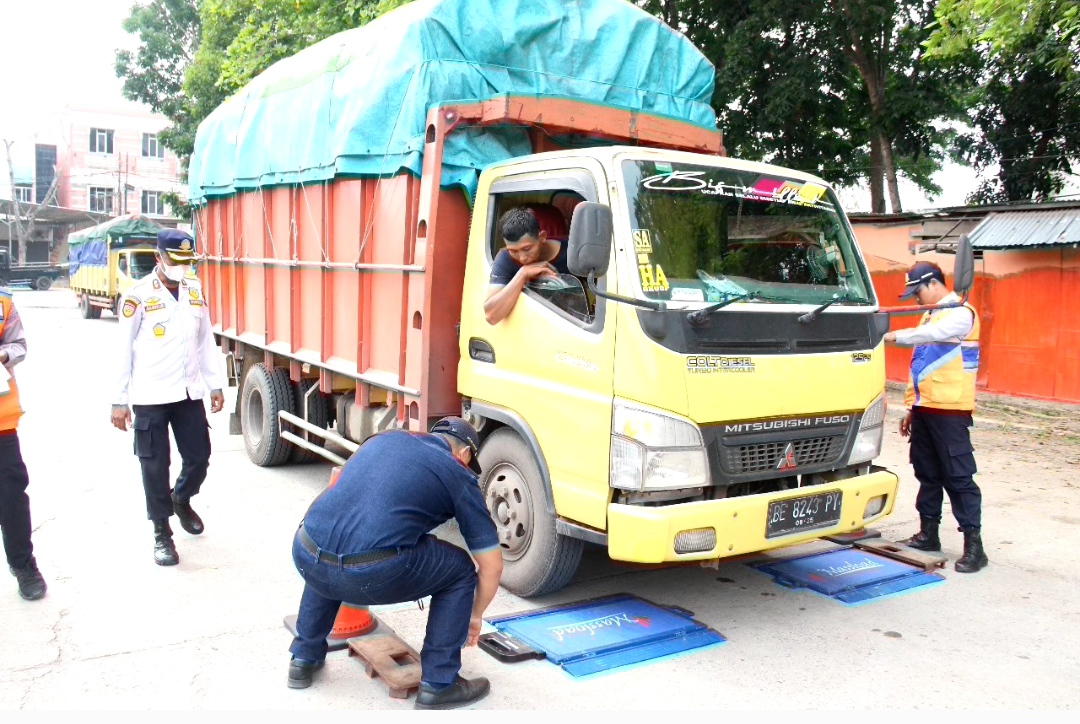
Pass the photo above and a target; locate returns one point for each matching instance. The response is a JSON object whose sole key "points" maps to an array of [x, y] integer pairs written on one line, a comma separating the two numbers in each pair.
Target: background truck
{"points": [[718, 390], [104, 261], [35, 275]]}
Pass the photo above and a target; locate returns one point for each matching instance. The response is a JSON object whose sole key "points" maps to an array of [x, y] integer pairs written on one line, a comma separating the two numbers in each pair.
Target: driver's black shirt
{"points": [[504, 267]]}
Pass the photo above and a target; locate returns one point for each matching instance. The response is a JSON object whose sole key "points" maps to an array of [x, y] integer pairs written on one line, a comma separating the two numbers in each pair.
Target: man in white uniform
{"points": [[167, 362]]}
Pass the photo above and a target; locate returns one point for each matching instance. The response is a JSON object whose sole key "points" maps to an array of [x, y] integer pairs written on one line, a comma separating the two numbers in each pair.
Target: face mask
{"points": [[173, 273]]}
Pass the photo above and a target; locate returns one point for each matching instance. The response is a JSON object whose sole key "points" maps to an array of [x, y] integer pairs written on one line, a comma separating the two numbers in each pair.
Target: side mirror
{"points": [[589, 248], [964, 266]]}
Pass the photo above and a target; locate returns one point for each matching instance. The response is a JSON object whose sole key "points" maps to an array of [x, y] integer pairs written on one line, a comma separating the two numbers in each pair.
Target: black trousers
{"points": [[944, 462], [192, 434], [14, 502]]}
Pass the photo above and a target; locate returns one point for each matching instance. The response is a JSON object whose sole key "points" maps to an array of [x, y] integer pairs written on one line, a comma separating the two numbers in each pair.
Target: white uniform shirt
{"points": [[952, 325], [167, 353]]}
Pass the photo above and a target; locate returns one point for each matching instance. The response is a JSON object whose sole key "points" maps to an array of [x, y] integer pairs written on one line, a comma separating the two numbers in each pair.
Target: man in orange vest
{"points": [[14, 503], [940, 398]]}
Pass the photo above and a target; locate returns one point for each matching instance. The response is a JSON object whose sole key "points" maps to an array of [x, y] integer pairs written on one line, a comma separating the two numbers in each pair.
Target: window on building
{"points": [[101, 199], [101, 140], [152, 203], [151, 146], [24, 193]]}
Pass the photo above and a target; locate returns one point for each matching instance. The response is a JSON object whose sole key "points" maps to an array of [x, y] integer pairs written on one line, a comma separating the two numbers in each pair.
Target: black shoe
{"points": [[927, 538], [300, 672], [189, 519], [461, 693], [164, 550], [974, 557], [31, 584]]}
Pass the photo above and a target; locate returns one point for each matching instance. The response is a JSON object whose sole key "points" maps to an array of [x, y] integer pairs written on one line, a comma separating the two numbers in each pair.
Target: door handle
{"points": [[481, 351]]}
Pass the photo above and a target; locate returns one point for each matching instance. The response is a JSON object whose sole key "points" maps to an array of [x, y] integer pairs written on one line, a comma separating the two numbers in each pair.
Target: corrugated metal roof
{"points": [[1011, 229]]}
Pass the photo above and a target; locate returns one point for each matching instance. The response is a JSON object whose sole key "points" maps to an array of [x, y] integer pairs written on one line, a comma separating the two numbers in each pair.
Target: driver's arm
{"points": [[501, 299]]}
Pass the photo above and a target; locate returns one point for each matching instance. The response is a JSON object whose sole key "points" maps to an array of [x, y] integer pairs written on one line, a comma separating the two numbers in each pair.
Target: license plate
{"points": [[793, 515]]}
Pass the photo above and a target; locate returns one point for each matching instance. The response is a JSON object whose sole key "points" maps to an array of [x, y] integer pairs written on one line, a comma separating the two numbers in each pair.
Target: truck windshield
{"points": [[139, 265], [706, 234]]}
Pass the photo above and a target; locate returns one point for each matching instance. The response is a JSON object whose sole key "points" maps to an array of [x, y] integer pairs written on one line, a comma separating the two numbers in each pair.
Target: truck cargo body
{"points": [[350, 306], [106, 260]]}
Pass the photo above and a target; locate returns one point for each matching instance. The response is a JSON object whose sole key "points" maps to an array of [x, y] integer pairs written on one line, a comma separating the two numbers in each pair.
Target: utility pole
{"points": [[119, 185], [127, 161]]}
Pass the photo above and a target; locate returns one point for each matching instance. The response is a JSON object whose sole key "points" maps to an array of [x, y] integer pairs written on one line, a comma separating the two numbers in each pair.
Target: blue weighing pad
{"points": [[849, 575], [601, 634]]}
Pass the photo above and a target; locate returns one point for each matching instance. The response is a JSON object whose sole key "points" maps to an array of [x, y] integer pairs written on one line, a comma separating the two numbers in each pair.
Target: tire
{"points": [[265, 393], [318, 414], [536, 560], [88, 310], [42, 283]]}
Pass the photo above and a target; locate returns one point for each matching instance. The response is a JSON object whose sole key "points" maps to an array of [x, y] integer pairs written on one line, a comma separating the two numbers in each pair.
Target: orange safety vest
{"points": [[10, 410], [942, 374]]}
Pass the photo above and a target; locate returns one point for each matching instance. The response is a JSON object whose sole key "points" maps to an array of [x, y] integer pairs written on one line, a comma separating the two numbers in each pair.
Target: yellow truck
{"points": [[708, 382], [106, 260]]}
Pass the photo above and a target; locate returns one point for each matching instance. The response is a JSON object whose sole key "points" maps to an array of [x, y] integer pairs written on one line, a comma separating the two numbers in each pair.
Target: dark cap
{"points": [[921, 272], [177, 244], [466, 433]]}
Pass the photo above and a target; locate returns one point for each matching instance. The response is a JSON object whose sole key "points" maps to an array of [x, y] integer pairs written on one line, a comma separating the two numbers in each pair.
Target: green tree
{"points": [[1025, 107]]}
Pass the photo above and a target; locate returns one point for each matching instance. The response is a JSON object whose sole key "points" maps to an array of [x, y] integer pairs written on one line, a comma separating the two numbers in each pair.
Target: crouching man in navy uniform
{"points": [[940, 398], [366, 540], [167, 362]]}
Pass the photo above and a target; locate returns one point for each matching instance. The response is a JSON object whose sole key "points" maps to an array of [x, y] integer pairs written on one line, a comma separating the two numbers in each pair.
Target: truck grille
{"points": [[743, 459]]}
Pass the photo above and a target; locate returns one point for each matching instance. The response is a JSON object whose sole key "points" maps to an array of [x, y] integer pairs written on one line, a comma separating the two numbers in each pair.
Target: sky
{"points": [[66, 51]]}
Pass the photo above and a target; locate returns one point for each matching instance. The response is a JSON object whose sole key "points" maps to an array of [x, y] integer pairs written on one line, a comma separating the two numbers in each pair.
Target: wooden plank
{"points": [[927, 560], [391, 659]]}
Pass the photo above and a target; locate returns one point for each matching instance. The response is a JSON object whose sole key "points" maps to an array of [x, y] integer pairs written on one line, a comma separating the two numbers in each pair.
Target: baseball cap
{"points": [[177, 244], [920, 273], [462, 430]]}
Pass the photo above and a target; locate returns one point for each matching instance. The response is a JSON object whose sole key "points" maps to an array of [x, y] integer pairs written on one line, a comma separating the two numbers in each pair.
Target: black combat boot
{"points": [[927, 537], [189, 519], [164, 550], [31, 584], [974, 557]]}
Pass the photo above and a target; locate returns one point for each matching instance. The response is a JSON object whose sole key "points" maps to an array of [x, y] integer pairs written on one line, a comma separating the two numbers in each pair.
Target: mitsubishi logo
{"points": [[787, 460]]}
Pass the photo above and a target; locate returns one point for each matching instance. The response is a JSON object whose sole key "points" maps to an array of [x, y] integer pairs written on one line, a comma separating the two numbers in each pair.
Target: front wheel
{"points": [[536, 560]]}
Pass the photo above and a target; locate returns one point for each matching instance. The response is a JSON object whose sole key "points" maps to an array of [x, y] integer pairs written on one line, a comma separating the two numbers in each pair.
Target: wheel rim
{"points": [[253, 418], [510, 505]]}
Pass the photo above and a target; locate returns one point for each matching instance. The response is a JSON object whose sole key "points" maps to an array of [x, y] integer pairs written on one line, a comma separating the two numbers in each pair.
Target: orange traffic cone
{"points": [[352, 619]]}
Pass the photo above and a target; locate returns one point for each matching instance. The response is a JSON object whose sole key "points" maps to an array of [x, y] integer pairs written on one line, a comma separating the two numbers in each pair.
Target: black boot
{"points": [[189, 519], [164, 550], [461, 693], [31, 584], [974, 557], [927, 537]]}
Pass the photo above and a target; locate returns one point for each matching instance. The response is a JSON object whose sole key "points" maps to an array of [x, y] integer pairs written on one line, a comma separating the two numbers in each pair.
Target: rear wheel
{"points": [[536, 560], [88, 310], [265, 393], [318, 414], [42, 283]]}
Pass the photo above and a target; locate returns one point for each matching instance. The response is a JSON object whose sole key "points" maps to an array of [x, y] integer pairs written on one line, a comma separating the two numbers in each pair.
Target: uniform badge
{"points": [[159, 330], [193, 293], [130, 306], [153, 304]]}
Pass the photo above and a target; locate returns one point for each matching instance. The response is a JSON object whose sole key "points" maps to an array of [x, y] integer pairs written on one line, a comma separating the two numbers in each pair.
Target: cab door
{"points": [[547, 363]]}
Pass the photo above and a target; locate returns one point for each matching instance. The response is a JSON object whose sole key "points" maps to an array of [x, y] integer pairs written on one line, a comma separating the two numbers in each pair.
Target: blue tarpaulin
{"points": [[356, 103], [90, 247]]}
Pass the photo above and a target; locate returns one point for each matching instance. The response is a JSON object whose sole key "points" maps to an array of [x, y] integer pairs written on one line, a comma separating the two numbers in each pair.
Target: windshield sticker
{"points": [[687, 295], [774, 190], [710, 364], [642, 241], [653, 278]]}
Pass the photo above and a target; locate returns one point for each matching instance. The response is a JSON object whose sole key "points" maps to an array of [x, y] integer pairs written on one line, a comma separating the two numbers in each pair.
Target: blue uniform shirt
{"points": [[396, 488]]}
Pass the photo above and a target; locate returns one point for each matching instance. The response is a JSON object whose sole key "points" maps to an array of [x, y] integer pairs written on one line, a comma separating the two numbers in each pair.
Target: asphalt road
{"points": [[118, 632]]}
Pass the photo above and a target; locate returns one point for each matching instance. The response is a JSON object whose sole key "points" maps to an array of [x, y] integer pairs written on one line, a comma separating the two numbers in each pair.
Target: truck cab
{"points": [[721, 390]]}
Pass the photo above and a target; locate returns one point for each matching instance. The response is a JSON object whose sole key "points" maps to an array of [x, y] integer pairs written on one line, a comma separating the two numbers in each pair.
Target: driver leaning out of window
{"points": [[530, 254]]}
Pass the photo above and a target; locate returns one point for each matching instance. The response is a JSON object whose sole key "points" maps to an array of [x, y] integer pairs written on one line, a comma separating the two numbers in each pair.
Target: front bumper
{"points": [[647, 535]]}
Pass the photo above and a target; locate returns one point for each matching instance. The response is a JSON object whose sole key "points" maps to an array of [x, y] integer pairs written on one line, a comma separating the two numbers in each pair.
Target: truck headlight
{"points": [[868, 441], [655, 451]]}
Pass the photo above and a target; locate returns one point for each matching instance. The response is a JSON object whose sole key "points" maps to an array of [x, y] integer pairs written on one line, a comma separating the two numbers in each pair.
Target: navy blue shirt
{"points": [[504, 267], [396, 488]]}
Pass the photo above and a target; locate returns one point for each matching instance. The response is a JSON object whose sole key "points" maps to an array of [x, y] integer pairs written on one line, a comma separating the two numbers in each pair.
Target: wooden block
{"points": [[391, 659], [927, 560]]}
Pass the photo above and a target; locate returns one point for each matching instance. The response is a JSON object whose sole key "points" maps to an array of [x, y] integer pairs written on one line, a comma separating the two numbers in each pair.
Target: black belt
{"points": [[349, 560]]}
